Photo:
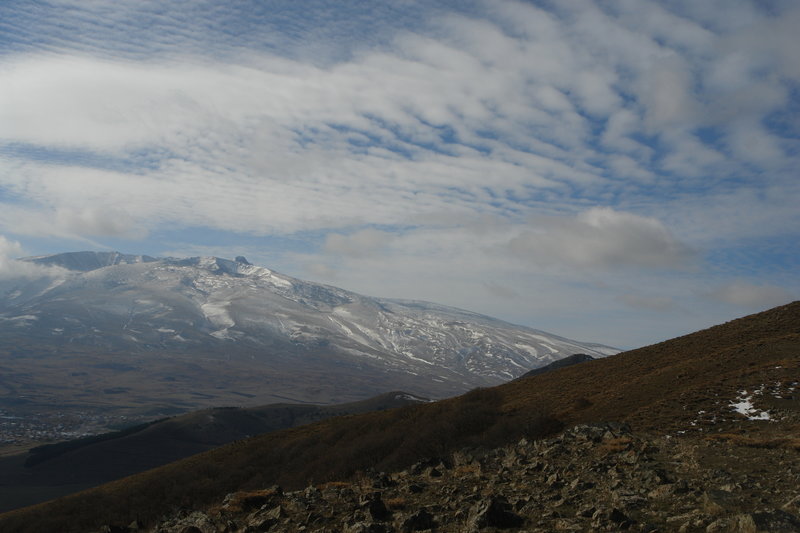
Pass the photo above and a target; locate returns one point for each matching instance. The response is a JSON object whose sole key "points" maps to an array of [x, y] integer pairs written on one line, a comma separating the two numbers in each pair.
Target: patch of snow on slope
{"points": [[217, 314], [744, 406], [411, 398]]}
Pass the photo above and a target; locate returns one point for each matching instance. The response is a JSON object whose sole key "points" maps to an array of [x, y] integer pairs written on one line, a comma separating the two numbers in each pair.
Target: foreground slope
{"points": [[598, 477], [107, 330], [687, 388]]}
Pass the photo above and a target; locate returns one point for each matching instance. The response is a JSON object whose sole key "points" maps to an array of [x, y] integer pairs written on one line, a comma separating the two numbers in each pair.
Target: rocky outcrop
{"points": [[590, 478]]}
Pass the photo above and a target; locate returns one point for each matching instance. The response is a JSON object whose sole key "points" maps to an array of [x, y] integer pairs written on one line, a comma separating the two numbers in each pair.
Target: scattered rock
{"points": [[493, 512], [590, 478]]}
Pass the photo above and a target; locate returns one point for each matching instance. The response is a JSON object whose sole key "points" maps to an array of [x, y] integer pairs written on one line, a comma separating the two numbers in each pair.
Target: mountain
{"points": [[162, 333], [695, 431], [54, 470]]}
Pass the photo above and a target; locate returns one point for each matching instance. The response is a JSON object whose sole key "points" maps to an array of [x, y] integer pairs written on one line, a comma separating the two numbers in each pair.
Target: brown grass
{"points": [[616, 445], [334, 485], [789, 443], [396, 504], [247, 500]]}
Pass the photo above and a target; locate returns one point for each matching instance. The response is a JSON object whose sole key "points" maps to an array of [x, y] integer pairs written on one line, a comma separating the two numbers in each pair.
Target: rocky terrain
{"points": [[600, 477]]}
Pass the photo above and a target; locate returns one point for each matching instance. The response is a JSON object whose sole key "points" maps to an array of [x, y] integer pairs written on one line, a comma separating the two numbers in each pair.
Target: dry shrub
{"points": [[472, 469], [615, 445], [245, 501], [396, 504], [334, 485]]}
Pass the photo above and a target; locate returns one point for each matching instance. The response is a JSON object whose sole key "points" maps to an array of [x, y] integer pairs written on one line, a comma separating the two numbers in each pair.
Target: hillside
{"points": [[686, 388], [55, 470]]}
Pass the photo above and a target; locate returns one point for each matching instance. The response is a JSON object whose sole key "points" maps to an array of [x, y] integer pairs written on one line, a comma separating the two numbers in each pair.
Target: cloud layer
{"points": [[475, 143]]}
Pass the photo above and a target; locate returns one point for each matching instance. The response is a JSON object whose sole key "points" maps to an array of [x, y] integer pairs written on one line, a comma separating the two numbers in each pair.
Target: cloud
{"points": [[500, 291], [602, 237], [454, 114], [651, 303], [745, 294], [359, 244], [11, 269], [98, 221]]}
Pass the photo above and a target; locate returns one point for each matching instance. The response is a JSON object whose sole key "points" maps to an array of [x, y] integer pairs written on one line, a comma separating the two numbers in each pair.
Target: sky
{"points": [[620, 172]]}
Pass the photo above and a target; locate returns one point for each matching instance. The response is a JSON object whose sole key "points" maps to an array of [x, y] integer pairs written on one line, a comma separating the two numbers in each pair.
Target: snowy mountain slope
{"points": [[140, 304]]}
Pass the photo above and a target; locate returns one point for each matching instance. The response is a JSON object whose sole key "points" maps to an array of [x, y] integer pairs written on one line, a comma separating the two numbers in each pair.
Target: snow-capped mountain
{"points": [[140, 304]]}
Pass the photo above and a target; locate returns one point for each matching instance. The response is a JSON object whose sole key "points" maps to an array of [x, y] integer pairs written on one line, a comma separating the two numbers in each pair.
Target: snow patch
{"points": [[744, 406], [411, 398]]}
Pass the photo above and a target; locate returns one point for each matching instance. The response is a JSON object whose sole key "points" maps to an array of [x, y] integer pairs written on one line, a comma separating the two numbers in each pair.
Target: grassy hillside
{"points": [[55, 470], [683, 385]]}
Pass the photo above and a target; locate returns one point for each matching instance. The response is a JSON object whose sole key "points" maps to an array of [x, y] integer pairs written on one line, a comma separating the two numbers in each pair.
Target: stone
{"points": [[719, 502], [777, 521], [493, 512], [365, 527], [419, 521], [377, 509]]}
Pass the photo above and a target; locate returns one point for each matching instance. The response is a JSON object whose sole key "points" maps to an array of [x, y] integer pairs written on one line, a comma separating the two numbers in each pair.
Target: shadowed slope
{"points": [[55, 470]]}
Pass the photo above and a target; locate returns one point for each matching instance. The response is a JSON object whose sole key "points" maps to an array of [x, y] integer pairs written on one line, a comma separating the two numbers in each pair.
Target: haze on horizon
{"points": [[620, 172]]}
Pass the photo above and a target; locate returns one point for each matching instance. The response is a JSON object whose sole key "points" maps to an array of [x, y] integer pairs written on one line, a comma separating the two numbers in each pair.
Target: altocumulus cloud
{"points": [[420, 150]]}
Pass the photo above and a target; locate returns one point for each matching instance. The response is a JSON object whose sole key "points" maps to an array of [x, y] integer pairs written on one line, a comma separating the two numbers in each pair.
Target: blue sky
{"points": [[612, 171]]}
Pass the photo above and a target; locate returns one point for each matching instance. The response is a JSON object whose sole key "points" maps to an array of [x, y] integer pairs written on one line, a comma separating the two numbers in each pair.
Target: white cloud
{"points": [[602, 238], [647, 302], [359, 244], [98, 221], [11, 269], [745, 294]]}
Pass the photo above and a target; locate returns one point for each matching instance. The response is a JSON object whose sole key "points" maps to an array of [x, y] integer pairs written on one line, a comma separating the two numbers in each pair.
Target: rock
{"points": [[718, 502], [661, 492], [493, 512], [415, 488], [376, 508], [617, 516], [776, 521], [792, 506], [627, 498], [419, 521], [260, 525], [364, 527]]}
